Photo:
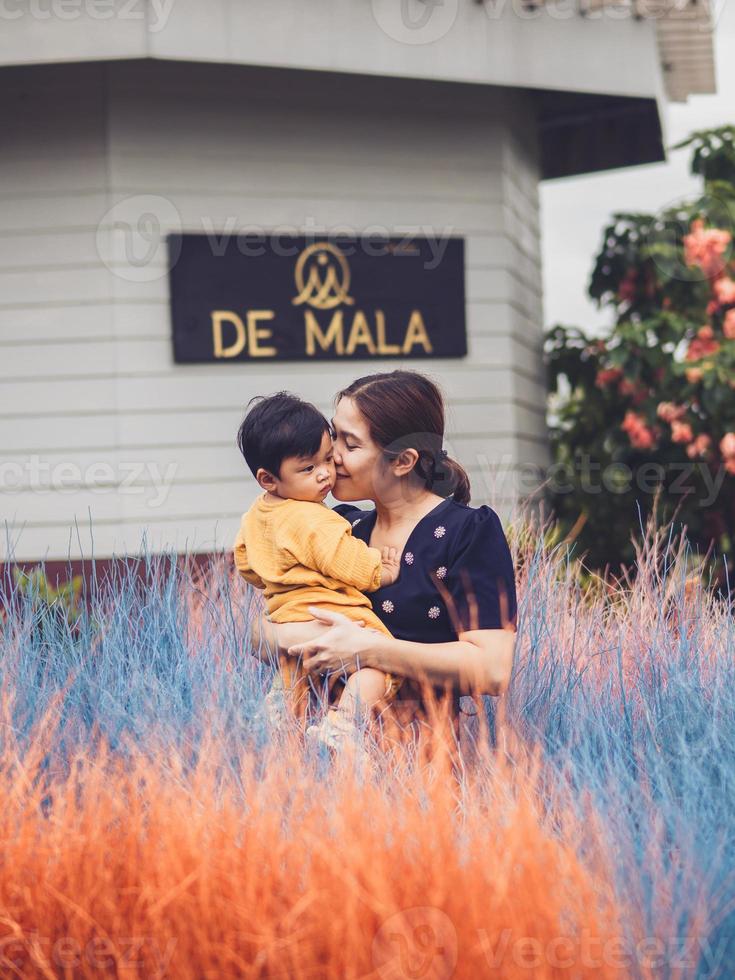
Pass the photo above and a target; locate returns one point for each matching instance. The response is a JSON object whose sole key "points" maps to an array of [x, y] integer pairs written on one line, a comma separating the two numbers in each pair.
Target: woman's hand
{"points": [[289, 635], [342, 647]]}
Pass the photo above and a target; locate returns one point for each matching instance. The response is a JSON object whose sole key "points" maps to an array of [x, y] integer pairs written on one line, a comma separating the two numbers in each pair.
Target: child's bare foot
{"points": [[341, 735]]}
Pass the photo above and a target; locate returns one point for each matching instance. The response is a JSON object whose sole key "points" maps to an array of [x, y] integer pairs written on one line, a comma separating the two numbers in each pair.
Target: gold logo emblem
{"points": [[322, 277]]}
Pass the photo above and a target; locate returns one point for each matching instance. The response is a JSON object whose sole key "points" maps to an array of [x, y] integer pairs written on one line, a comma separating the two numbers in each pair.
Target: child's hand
{"points": [[390, 565]]}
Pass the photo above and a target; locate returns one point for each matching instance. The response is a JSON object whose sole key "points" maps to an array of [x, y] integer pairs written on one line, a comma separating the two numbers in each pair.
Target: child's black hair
{"points": [[278, 426]]}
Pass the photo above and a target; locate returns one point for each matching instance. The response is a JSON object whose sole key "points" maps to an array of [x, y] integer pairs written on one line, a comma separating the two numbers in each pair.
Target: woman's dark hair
{"points": [[276, 427], [405, 410]]}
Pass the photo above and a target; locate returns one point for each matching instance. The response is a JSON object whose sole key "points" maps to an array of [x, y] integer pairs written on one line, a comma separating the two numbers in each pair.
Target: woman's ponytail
{"points": [[450, 477]]}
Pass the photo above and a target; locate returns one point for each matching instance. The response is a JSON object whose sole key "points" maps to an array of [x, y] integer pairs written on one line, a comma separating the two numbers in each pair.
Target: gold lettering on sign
{"points": [[360, 334], [314, 332], [322, 277], [254, 333], [227, 316], [384, 348], [416, 334]]}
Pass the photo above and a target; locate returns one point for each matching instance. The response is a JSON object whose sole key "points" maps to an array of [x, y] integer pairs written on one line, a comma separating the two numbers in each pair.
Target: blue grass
{"points": [[629, 712]]}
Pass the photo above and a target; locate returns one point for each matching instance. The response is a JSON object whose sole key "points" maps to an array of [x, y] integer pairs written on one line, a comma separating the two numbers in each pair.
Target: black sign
{"points": [[292, 298]]}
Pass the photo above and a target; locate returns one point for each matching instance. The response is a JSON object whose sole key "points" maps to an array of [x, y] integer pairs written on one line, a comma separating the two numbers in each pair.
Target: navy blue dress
{"points": [[456, 574]]}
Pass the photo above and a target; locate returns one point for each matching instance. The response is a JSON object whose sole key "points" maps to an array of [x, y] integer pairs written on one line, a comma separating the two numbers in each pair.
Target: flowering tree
{"points": [[651, 408]]}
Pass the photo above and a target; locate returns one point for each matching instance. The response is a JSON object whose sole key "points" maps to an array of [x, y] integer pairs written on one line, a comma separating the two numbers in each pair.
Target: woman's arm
{"points": [[277, 638], [478, 662]]}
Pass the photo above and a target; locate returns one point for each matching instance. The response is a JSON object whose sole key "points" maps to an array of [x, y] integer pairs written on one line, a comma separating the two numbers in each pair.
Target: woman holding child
{"points": [[448, 610]]}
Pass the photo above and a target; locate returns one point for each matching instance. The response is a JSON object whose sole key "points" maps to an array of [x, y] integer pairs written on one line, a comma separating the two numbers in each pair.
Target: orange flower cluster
{"points": [[640, 434], [699, 447], [724, 290], [703, 345], [669, 412], [727, 448], [709, 249], [681, 432], [706, 248]]}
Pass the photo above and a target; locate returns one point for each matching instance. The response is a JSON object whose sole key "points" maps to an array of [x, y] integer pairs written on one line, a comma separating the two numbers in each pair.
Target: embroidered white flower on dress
{"points": [[388, 606], [409, 557], [440, 531], [434, 612], [357, 521], [441, 571]]}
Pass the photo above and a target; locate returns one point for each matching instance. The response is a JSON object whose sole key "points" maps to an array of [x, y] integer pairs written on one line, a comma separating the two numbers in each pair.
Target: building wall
{"points": [[503, 42], [87, 379]]}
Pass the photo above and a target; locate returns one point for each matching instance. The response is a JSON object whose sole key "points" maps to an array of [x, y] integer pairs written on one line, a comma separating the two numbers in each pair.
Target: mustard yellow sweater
{"points": [[303, 554]]}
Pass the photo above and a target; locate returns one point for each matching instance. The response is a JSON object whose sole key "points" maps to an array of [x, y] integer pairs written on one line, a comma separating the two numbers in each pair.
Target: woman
{"points": [[452, 611]]}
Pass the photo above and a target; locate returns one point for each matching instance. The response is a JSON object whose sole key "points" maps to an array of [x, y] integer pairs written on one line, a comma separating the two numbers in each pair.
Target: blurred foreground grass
{"points": [[152, 825]]}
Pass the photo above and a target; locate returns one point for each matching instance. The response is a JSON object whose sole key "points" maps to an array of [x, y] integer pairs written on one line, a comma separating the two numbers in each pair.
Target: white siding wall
{"points": [[87, 378]]}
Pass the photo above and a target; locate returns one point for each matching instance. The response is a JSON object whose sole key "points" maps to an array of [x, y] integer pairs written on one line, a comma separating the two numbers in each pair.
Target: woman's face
{"points": [[359, 461]]}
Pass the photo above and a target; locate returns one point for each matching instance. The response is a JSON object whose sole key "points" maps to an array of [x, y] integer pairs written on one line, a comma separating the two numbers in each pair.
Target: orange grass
{"points": [[139, 865]]}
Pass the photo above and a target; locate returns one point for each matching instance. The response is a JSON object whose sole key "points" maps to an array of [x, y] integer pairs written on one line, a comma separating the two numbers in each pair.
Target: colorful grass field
{"points": [[153, 826]]}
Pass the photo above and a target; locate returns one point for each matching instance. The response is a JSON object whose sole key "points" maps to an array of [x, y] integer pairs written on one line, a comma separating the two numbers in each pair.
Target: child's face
{"points": [[310, 478]]}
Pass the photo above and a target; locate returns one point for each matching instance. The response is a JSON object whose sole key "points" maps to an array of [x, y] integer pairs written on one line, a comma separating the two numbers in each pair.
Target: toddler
{"points": [[301, 553]]}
